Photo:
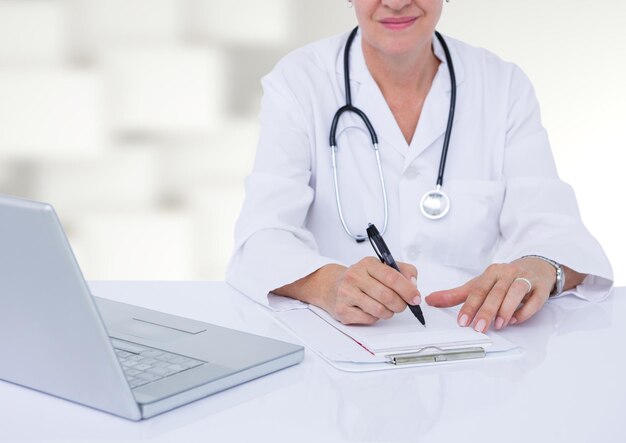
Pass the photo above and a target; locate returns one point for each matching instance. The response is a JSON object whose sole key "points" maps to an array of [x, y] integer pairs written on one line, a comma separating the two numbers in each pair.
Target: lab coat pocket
{"points": [[475, 207]]}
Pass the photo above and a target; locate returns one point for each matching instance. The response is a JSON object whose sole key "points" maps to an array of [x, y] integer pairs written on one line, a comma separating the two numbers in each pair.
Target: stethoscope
{"points": [[434, 204]]}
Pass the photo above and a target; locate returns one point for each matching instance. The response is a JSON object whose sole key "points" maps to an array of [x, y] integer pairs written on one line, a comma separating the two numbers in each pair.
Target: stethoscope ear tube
{"points": [[359, 237], [348, 107]]}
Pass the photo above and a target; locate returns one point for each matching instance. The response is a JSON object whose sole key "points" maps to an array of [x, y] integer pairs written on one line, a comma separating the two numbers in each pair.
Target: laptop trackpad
{"points": [[148, 330]]}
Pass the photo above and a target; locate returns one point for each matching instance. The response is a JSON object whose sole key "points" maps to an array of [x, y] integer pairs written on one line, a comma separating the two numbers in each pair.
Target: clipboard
{"points": [[341, 348]]}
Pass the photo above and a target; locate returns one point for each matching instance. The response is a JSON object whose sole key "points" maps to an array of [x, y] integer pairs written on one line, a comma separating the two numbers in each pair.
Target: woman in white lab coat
{"points": [[509, 211]]}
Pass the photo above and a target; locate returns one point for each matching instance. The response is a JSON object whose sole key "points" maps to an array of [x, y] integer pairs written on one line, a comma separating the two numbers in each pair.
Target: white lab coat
{"points": [[506, 198]]}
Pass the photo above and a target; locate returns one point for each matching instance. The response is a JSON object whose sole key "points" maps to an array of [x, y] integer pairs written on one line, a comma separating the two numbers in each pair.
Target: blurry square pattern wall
{"points": [[137, 119]]}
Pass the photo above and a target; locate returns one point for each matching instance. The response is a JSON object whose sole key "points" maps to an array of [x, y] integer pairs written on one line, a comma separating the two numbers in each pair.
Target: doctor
{"points": [[500, 234]]}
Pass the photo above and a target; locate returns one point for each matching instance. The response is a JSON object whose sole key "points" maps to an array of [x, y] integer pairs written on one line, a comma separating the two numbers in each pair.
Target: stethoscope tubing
{"points": [[349, 107], [446, 139]]}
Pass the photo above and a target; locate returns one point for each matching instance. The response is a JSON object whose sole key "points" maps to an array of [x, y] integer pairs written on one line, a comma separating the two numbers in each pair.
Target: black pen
{"points": [[381, 249]]}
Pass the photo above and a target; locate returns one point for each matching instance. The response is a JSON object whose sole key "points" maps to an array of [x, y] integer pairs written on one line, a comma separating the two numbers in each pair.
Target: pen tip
{"points": [[417, 312]]}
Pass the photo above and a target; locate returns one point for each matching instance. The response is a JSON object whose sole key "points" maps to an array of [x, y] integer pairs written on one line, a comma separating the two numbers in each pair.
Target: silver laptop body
{"points": [[57, 338]]}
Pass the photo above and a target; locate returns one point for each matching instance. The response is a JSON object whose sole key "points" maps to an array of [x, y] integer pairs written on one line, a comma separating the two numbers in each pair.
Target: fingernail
{"points": [[414, 280], [463, 320], [499, 322], [417, 300], [513, 321], [480, 326]]}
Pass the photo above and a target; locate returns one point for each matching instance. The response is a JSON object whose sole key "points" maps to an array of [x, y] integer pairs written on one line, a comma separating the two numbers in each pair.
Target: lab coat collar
{"points": [[367, 96]]}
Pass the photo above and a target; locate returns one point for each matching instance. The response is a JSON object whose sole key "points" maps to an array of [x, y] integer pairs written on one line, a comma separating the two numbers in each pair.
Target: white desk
{"points": [[556, 392]]}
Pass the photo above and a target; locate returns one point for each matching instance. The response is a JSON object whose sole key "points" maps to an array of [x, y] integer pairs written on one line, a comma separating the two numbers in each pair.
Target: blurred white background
{"points": [[137, 119]]}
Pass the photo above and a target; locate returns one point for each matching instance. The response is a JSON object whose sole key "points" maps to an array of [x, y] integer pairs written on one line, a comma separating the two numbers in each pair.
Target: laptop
{"points": [[57, 338]]}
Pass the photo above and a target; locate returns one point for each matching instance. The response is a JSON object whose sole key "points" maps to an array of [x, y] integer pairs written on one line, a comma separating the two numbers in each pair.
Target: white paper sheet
{"points": [[404, 333]]}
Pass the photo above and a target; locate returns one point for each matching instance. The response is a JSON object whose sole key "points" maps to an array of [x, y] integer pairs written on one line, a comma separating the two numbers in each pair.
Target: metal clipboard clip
{"points": [[433, 354]]}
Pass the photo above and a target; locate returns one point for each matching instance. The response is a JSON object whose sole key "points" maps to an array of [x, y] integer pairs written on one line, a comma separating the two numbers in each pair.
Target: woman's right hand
{"points": [[369, 291]]}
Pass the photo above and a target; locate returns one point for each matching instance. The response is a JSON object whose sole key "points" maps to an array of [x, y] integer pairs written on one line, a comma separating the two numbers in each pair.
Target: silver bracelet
{"points": [[560, 274]]}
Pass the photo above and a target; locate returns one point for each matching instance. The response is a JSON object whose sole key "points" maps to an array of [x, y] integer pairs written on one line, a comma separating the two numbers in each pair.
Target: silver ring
{"points": [[525, 280]]}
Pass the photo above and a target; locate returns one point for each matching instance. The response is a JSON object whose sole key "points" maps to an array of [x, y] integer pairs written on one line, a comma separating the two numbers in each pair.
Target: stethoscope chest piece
{"points": [[435, 204]]}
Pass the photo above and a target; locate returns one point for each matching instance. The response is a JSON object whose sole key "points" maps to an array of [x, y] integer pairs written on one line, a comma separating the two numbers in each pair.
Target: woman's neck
{"points": [[404, 81], [402, 73]]}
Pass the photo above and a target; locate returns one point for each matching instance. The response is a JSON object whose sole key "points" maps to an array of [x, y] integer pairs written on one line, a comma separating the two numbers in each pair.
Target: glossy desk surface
{"points": [[569, 386]]}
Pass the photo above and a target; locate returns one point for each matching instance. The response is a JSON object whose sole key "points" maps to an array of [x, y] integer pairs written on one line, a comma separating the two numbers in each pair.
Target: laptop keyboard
{"points": [[143, 365]]}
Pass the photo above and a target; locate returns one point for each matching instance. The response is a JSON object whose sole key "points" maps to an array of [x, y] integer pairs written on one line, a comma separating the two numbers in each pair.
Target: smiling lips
{"points": [[397, 23]]}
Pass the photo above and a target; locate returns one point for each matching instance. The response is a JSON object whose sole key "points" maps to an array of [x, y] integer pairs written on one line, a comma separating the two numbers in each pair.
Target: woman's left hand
{"points": [[495, 295]]}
